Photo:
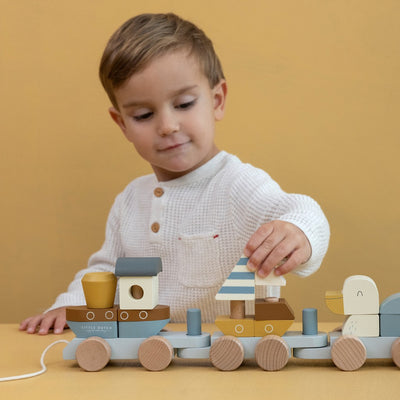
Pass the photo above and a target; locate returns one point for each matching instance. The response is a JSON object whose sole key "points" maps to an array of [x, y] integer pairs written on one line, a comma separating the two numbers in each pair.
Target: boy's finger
{"points": [[46, 323], [293, 261], [59, 325], [263, 252], [34, 323], [281, 251], [263, 232], [24, 324]]}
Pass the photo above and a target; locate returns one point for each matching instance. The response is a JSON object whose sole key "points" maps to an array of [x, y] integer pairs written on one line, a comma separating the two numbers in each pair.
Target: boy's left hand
{"points": [[274, 242]]}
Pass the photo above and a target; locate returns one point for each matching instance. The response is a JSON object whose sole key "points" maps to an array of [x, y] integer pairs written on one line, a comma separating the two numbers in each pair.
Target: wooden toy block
{"points": [[391, 305], [194, 353], [334, 301], [193, 318], [361, 325], [377, 347], [182, 340], [104, 330], [235, 327], [272, 353], [85, 314], [99, 289], [348, 353], [238, 308], [271, 327], [93, 354], [239, 285], [138, 293], [273, 310], [121, 348], [138, 266], [270, 280], [360, 295], [296, 339], [159, 312], [389, 325], [310, 353], [155, 353], [310, 321], [140, 329], [227, 353]]}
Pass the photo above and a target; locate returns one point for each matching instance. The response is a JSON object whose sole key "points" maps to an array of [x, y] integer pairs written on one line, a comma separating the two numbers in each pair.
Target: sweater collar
{"points": [[208, 169]]}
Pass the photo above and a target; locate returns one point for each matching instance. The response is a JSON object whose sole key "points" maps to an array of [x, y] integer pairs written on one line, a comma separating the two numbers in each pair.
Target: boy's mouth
{"points": [[173, 146]]}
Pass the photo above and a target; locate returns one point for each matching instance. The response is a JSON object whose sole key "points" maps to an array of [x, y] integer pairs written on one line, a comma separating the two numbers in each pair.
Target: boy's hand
{"points": [[53, 319], [276, 242]]}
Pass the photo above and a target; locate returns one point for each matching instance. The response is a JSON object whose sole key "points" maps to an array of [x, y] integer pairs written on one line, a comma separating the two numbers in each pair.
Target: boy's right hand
{"points": [[55, 319]]}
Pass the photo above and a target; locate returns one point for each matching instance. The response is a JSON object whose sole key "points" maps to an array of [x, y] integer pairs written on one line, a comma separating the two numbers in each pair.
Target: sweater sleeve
{"points": [[102, 260], [256, 199]]}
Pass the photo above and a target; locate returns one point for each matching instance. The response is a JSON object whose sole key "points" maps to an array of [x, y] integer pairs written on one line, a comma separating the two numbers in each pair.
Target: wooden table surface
{"points": [[183, 379]]}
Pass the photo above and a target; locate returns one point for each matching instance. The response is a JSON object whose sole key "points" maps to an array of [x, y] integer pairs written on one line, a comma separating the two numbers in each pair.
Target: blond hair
{"points": [[143, 38]]}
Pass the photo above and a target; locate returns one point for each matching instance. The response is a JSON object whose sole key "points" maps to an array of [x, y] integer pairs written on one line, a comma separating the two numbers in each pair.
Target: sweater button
{"points": [[155, 227], [158, 192]]}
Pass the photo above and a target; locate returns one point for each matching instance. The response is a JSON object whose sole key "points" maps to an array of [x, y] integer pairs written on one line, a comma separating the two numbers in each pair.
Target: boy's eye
{"points": [[142, 117], [186, 104]]}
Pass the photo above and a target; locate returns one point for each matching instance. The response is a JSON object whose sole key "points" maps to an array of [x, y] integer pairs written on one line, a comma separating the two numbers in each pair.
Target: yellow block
{"points": [[236, 327], [99, 289], [334, 301], [272, 327]]}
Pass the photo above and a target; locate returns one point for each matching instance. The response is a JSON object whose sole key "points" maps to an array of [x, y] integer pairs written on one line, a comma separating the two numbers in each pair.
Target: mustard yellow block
{"points": [[99, 289], [235, 327], [334, 301], [271, 327]]}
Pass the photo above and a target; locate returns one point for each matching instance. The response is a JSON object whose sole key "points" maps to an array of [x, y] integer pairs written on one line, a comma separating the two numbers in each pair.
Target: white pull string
{"points": [[44, 368]]}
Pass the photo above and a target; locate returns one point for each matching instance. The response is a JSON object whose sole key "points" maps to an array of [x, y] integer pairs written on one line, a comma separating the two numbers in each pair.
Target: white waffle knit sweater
{"points": [[205, 219]]}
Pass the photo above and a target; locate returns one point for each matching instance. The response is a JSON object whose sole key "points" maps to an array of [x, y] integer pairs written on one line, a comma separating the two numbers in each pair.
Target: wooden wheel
{"points": [[227, 353], [155, 353], [93, 354], [348, 353], [272, 353], [396, 352]]}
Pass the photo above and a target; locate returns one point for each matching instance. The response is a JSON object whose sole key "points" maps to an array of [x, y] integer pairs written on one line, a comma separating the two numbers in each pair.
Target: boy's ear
{"points": [[116, 116], [220, 91]]}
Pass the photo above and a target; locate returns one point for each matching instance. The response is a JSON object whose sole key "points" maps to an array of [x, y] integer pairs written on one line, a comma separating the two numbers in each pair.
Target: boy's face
{"points": [[168, 111]]}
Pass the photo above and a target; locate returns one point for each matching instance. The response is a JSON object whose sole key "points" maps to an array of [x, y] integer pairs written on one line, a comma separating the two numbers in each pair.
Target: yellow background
{"points": [[314, 96]]}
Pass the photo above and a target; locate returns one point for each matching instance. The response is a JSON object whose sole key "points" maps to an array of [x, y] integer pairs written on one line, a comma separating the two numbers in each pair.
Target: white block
{"points": [[270, 280], [361, 325], [360, 295], [149, 284]]}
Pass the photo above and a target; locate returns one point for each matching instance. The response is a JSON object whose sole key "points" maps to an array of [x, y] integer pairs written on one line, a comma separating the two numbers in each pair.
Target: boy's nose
{"points": [[167, 125]]}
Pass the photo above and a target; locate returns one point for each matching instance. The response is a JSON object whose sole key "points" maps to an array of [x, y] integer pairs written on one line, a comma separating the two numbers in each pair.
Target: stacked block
{"points": [[359, 300], [361, 304], [139, 313], [390, 316]]}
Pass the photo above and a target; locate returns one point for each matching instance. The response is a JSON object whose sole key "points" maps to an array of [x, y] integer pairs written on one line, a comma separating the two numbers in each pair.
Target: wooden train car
{"points": [[133, 330]]}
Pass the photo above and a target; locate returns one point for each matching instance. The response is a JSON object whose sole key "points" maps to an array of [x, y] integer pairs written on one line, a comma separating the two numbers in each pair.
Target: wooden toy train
{"points": [[133, 330]]}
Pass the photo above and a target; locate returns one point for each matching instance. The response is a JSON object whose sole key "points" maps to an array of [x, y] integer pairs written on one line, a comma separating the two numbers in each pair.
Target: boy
{"points": [[202, 208]]}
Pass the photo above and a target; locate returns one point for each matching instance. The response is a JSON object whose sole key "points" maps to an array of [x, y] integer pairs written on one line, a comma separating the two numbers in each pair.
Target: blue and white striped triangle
{"points": [[240, 284]]}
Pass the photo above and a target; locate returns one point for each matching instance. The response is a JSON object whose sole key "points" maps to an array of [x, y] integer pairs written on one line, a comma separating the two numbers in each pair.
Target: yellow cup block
{"points": [[236, 327], [272, 327], [334, 301], [99, 289]]}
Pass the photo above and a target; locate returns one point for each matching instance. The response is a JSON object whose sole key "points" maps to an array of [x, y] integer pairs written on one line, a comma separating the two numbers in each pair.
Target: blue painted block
{"points": [[389, 325], [141, 329], [310, 321], [193, 317], [106, 330], [391, 305]]}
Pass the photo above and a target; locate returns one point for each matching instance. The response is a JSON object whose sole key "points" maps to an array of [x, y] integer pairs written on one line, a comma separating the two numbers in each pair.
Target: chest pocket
{"points": [[199, 260]]}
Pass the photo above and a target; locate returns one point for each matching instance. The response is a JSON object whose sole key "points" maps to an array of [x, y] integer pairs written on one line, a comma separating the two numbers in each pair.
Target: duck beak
{"points": [[334, 301]]}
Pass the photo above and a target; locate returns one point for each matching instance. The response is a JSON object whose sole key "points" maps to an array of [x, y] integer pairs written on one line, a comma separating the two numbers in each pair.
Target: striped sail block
{"points": [[240, 284]]}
